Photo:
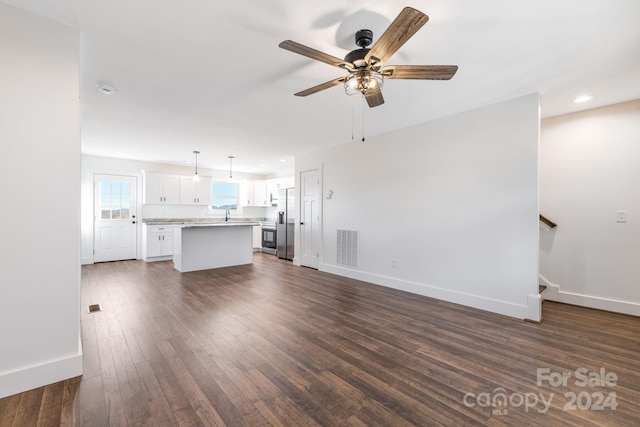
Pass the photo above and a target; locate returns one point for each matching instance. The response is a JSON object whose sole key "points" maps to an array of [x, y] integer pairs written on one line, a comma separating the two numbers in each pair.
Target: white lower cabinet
{"points": [[157, 242]]}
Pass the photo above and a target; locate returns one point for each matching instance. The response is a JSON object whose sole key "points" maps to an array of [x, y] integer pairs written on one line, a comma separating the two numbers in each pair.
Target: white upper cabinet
{"points": [[273, 185], [161, 189], [257, 193], [167, 189], [260, 193], [196, 193]]}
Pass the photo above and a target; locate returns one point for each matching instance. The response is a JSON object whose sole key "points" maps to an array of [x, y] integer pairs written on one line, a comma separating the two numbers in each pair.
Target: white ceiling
{"points": [[209, 76]]}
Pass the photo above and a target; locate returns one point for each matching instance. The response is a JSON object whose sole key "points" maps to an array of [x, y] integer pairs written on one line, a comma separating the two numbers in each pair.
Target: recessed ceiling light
{"points": [[106, 89], [583, 98]]}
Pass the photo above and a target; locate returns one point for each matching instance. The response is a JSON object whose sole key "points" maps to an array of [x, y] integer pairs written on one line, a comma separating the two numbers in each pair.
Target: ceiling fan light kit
{"points": [[365, 65], [360, 81]]}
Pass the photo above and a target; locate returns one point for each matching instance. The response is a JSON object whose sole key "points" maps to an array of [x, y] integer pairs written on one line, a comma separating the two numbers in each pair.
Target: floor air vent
{"points": [[347, 248], [94, 307]]}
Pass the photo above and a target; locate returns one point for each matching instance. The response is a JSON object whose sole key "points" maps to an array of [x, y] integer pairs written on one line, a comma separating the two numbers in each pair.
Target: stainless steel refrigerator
{"points": [[285, 223]]}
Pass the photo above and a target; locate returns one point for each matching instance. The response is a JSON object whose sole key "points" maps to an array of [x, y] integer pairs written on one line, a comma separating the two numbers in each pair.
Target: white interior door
{"points": [[114, 232], [309, 218]]}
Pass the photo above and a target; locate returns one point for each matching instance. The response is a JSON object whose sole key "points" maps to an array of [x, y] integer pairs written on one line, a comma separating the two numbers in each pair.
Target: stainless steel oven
{"points": [[269, 237]]}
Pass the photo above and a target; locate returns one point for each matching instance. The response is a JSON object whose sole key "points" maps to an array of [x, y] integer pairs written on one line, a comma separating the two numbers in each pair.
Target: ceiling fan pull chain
{"points": [[353, 121], [362, 103]]}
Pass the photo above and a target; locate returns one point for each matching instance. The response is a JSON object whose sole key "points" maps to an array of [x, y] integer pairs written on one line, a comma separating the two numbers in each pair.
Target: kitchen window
{"points": [[224, 195]]}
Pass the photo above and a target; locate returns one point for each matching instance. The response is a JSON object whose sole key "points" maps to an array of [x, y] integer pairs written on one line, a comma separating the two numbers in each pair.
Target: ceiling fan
{"points": [[365, 65]]}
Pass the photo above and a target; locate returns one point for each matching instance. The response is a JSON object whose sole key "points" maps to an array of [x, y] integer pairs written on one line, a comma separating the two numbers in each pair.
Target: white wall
{"points": [[107, 165], [39, 189], [453, 201], [590, 169]]}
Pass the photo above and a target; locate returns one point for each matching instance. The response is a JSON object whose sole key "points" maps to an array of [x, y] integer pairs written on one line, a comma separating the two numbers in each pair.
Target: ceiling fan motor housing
{"points": [[364, 38], [356, 55]]}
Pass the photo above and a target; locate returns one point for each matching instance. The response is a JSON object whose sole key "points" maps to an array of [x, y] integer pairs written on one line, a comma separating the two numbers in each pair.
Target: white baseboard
{"points": [[554, 293], [86, 261], [529, 312], [37, 376], [158, 258]]}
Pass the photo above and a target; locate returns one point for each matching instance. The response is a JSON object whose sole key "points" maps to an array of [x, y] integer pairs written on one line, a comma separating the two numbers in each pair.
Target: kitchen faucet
{"points": [[226, 215]]}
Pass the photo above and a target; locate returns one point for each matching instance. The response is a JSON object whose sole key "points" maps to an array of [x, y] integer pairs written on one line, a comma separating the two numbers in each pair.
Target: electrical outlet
{"points": [[621, 216]]}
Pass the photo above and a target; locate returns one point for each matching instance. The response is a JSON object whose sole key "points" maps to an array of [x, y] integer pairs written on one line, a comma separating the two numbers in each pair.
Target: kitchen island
{"points": [[214, 245]]}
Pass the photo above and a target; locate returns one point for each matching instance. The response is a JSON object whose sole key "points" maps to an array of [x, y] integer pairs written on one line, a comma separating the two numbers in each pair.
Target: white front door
{"points": [[309, 218], [114, 231]]}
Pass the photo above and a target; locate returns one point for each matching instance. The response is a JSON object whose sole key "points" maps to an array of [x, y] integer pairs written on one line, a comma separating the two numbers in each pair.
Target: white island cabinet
{"points": [[206, 246]]}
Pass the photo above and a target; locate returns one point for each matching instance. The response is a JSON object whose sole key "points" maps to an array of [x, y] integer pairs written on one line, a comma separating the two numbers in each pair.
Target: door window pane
{"points": [[114, 200]]}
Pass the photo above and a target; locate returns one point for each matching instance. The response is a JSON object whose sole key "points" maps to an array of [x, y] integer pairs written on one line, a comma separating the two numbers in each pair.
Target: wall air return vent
{"points": [[347, 248]]}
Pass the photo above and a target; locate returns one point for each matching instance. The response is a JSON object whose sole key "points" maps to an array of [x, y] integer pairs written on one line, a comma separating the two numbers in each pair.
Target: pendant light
{"points": [[196, 177], [230, 164]]}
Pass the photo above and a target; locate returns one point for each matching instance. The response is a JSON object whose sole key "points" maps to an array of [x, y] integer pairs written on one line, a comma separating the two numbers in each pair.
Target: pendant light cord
{"points": [[196, 177]]}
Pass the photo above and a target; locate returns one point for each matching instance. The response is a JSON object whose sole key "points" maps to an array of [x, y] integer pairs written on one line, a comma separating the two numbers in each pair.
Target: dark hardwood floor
{"points": [[273, 344]]}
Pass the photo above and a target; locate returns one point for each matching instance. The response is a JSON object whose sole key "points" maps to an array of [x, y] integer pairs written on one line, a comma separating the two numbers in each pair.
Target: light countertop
{"points": [[220, 224], [202, 221]]}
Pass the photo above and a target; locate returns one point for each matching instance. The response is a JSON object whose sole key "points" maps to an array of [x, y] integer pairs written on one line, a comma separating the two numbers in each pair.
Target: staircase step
{"points": [[541, 288]]}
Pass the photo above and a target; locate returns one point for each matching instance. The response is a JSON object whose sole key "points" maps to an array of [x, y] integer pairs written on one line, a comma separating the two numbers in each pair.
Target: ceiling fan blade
{"points": [[314, 54], [323, 86], [374, 97], [419, 72], [408, 21]]}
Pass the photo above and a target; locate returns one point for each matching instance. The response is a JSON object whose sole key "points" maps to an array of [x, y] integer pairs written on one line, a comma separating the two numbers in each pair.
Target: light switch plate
{"points": [[621, 216]]}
